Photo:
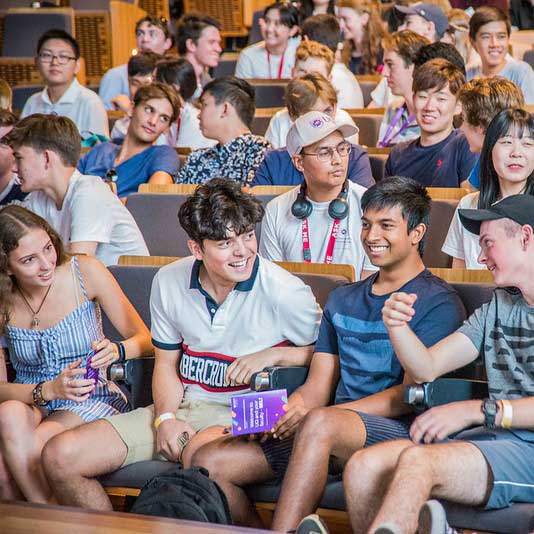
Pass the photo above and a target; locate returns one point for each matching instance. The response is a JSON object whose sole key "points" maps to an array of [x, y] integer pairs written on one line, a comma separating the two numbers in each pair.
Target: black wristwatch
{"points": [[489, 409]]}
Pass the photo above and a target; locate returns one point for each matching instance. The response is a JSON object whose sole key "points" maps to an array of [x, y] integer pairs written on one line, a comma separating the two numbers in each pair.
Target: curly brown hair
{"points": [[16, 222], [372, 37]]}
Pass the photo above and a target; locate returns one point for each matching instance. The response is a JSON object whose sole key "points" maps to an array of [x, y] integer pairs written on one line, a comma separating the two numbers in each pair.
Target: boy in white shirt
{"points": [[309, 90], [58, 61], [83, 210], [319, 221]]}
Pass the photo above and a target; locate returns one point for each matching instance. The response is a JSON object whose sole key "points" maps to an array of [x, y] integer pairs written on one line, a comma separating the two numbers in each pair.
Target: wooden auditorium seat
{"points": [[368, 82], [228, 12], [269, 92], [369, 125], [441, 214]]}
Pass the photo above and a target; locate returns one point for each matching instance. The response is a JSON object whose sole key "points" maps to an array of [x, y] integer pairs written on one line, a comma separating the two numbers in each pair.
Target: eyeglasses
{"points": [[111, 175], [326, 153], [62, 59]]}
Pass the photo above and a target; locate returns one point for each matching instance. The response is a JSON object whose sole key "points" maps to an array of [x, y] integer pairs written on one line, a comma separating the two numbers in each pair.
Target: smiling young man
{"points": [[400, 53], [325, 207], [354, 359], [440, 157], [138, 160], [489, 31], [83, 210], [226, 114], [489, 466], [217, 317], [151, 35], [58, 61], [198, 39]]}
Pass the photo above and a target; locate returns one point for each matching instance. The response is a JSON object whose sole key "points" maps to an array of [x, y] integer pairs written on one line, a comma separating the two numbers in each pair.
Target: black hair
{"points": [[178, 71], [191, 26], [411, 197], [522, 122], [142, 64], [440, 50], [289, 14], [235, 91], [56, 33], [306, 8], [218, 207], [324, 29]]}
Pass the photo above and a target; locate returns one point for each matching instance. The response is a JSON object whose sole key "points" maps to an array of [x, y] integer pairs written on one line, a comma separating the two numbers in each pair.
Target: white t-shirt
{"points": [[78, 103], [461, 243], [271, 307], [349, 92], [382, 94], [281, 232], [255, 62], [91, 212], [281, 122]]}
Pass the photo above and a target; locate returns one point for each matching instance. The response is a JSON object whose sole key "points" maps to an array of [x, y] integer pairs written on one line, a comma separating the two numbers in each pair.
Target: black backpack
{"points": [[184, 494]]}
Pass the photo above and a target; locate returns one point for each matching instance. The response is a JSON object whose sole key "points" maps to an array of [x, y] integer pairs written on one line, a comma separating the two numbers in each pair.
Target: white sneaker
{"points": [[433, 519]]}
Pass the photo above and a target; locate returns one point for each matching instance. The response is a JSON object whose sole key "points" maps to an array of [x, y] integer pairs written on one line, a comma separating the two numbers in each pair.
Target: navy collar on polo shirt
{"points": [[212, 306]]}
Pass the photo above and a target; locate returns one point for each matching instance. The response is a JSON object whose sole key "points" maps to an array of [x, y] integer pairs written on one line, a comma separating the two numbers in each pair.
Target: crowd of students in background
{"points": [[454, 116]]}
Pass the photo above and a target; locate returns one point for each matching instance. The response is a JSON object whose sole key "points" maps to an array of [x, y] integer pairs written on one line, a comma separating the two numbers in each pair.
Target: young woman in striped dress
{"points": [[50, 315]]}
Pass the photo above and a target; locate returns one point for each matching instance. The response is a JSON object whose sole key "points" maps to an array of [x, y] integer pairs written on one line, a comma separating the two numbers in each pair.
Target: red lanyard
{"points": [[281, 66], [306, 252]]}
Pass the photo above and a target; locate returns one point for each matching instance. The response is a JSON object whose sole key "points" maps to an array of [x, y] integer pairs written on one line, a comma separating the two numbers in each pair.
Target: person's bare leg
{"points": [[366, 478], [23, 434], [234, 463], [453, 471], [9, 490], [323, 432], [198, 440], [73, 459]]}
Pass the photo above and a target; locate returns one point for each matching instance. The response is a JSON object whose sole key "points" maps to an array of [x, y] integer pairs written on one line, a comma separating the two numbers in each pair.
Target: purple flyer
{"points": [[257, 411]]}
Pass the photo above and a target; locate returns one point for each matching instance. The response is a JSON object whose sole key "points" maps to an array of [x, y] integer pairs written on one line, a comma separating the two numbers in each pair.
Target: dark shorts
{"points": [[378, 429], [511, 460]]}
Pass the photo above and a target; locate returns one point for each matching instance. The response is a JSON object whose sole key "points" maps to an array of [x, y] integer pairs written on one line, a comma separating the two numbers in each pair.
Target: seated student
{"points": [[425, 19], [363, 32], [9, 186], [49, 309], [440, 157], [489, 466], [226, 113], [138, 160], [507, 168], [273, 57], [354, 359], [489, 31], [152, 35], [89, 218], [481, 100], [185, 132], [58, 61], [390, 127], [398, 123], [200, 306], [6, 95], [198, 39], [140, 72], [325, 29], [325, 207], [310, 92]]}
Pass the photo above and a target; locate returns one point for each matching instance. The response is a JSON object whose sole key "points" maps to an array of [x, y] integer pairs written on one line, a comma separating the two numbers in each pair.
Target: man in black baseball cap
{"points": [[490, 462], [518, 208]]}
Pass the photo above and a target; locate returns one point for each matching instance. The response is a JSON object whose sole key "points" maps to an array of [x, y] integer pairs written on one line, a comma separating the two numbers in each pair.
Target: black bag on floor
{"points": [[184, 494]]}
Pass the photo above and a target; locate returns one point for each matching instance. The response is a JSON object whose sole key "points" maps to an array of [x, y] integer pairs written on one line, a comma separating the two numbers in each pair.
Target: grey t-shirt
{"points": [[503, 332]]}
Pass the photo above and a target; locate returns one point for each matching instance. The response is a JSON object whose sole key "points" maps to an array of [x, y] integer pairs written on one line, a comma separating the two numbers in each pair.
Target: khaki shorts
{"points": [[137, 431]]}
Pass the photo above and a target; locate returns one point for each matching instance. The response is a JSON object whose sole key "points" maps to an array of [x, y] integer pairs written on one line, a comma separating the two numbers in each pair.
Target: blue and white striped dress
{"points": [[39, 355]]}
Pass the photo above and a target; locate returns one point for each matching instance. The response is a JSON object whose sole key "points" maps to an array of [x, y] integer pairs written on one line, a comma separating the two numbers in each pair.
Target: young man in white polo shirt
{"points": [[319, 221], [217, 317], [58, 61], [84, 211]]}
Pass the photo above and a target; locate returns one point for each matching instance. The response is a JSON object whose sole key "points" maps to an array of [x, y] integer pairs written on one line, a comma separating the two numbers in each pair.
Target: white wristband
{"points": [[163, 417]]}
